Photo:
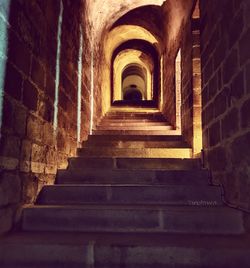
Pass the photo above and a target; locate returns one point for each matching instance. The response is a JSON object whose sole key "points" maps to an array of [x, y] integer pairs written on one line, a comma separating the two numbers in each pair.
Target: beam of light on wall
{"points": [[4, 17], [178, 89], [162, 83], [79, 100], [58, 57], [92, 91]]}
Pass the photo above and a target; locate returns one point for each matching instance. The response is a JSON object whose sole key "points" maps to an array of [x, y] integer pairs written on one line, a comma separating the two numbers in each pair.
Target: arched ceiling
{"points": [[103, 14], [124, 33], [148, 17]]}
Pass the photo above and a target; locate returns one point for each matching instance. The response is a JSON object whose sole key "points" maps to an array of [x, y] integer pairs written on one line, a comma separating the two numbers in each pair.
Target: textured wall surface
{"points": [[225, 41], [30, 150]]}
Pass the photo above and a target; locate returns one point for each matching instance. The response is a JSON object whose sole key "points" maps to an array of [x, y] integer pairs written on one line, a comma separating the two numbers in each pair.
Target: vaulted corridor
{"points": [[125, 133]]}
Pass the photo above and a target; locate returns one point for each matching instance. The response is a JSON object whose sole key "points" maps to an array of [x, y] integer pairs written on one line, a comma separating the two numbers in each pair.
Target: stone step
{"points": [[63, 250], [130, 194], [134, 144], [121, 218], [136, 153], [153, 138], [134, 103], [123, 176], [135, 127], [134, 121], [135, 113], [134, 163], [139, 118], [136, 132]]}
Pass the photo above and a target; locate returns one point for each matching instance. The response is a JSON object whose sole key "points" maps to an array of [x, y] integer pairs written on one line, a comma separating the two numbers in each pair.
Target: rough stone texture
{"points": [[10, 188], [225, 55], [29, 148], [6, 219]]}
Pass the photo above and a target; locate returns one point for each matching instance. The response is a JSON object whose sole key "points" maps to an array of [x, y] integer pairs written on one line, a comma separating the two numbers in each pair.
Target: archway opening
{"points": [[134, 83]]}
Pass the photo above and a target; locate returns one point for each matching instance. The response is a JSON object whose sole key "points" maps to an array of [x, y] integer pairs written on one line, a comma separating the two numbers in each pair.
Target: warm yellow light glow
{"points": [[124, 33], [178, 89], [125, 58], [162, 83], [114, 39]]}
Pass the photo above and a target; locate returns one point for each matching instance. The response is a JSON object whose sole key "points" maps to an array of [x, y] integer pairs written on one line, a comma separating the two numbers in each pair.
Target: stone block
{"points": [[244, 51], [245, 114], [209, 114], [247, 77], [30, 95], [215, 134], [221, 102], [207, 71], [230, 66], [8, 113], [20, 120], [6, 219], [10, 146], [48, 136], [29, 188], [213, 87], [205, 91], [10, 188], [25, 159], [217, 159], [19, 53], [37, 167], [240, 154], [50, 169], [220, 53], [236, 28], [230, 123], [13, 82], [38, 158], [8, 163], [45, 108], [50, 86], [38, 153], [38, 74], [34, 128], [63, 100], [51, 156], [237, 87]]}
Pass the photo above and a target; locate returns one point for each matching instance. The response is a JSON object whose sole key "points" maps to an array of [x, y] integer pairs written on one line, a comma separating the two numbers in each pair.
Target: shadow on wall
{"points": [[40, 47]]}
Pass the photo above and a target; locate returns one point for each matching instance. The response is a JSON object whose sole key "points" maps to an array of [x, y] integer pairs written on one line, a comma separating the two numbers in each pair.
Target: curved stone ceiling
{"points": [[123, 33], [102, 14]]}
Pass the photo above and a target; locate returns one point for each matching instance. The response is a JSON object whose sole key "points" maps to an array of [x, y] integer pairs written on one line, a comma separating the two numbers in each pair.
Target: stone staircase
{"points": [[133, 198]]}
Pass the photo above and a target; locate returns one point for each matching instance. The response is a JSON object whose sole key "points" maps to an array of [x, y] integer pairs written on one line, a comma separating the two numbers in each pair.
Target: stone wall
{"points": [[176, 31], [191, 84], [186, 84], [30, 149], [225, 42]]}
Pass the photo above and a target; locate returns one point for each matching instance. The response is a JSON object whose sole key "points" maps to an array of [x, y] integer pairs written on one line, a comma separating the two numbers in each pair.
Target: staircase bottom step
{"points": [[123, 250]]}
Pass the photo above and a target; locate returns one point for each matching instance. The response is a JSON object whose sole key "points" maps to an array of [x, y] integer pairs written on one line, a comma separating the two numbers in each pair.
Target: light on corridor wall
{"points": [[79, 100], [4, 16], [58, 57], [91, 91], [178, 89]]}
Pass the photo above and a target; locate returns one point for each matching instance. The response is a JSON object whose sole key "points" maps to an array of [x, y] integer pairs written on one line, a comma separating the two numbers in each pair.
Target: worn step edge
{"points": [[130, 194], [170, 177], [138, 153], [135, 163], [119, 218], [137, 132]]}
